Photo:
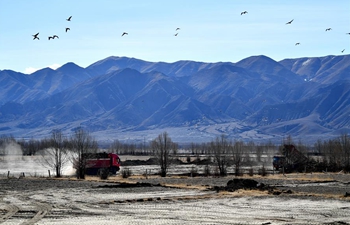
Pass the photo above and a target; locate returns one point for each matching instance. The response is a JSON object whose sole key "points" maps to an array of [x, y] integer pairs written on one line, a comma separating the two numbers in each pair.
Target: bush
{"points": [[238, 172], [126, 173], [207, 171], [219, 173], [251, 172], [194, 171], [262, 171]]}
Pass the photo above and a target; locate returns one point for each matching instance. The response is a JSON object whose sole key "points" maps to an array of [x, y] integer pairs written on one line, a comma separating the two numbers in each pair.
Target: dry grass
{"points": [[243, 193], [185, 186], [184, 182], [300, 176]]}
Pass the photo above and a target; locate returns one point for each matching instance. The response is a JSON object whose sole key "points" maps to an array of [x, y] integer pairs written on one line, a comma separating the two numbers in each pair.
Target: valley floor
{"points": [[303, 199]]}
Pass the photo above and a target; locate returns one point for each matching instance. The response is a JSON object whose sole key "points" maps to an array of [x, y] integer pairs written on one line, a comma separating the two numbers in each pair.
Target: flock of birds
{"points": [[290, 22], [36, 36]]}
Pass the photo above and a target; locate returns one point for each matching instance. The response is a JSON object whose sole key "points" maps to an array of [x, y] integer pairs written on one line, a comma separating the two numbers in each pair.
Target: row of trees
{"points": [[58, 150], [335, 153]]}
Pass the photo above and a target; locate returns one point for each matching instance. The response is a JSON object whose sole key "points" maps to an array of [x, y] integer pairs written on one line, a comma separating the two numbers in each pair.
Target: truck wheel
{"points": [[104, 174]]}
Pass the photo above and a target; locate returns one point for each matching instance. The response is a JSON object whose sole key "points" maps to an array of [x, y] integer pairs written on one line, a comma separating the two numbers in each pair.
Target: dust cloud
{"points": [[14, 164]]}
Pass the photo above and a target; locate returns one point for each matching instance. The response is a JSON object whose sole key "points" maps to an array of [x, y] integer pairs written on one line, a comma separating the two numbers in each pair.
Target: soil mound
{"points": [[237, 183], [137, 162]]}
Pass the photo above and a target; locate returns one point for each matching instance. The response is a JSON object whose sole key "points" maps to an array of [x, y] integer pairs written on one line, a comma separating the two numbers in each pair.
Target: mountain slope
{"points": [[176, 69], [254, 98], [328, 69]]}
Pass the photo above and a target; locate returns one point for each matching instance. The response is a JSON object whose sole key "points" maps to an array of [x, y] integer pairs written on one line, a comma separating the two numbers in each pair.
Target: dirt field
{"points": [[296, 199]]}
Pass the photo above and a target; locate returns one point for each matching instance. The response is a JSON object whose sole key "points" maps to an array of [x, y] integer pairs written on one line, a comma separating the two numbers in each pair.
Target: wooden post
{"points": [[49, 173], [8, 174]]}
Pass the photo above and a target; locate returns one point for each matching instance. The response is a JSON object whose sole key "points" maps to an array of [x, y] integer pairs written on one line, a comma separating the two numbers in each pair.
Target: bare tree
{"points": [[55, 155], [237, 155], [344, 141], [162, 147], [81, 143], [116, 147], [220, 148], [259, 152]]}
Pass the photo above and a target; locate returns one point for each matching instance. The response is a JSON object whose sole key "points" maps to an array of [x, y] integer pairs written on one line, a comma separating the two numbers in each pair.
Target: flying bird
{"points": [[343, 51], [178, 28], [69, 18], [55, 36], [290, 22], [50, 37], [67, 29], [328, 29], [348, 33], [176, 34], [124, 33], [35, 36], [298, 43], [245, 12]]}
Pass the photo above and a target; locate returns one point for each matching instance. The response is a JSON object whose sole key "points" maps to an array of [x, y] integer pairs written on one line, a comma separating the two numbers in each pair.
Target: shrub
{"points": [[207, 171], [262, 171], [126, 173], [194, 171], [251, 172], [238, 172]]}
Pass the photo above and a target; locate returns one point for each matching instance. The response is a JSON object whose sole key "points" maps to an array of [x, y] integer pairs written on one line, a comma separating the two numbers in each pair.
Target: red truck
{"points": [[98, 163]]}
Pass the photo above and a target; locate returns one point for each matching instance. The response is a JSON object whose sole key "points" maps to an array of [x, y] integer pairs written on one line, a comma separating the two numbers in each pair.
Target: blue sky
{"points": [[210, 31]]}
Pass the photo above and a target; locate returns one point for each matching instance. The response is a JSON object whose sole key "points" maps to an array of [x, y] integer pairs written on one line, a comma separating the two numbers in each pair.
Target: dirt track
{"points": [[313, 199]]}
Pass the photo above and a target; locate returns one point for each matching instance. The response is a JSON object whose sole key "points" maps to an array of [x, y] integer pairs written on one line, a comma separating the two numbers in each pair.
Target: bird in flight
{"points": [[35, 36], [245, 12], [176, 34], [67, 29], [50, 37], [69, 18], [328, 29], [178, 28], [124, 33], [348, 33], [343, 51], [55, 36], [298, 43], [290, 22]]}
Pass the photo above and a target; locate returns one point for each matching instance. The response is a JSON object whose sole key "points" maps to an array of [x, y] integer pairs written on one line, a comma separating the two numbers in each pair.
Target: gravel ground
{"points": [[315, 199], [335, 185]]}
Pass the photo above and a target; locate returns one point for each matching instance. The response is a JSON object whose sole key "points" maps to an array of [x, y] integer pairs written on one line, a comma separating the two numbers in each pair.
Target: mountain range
{"points": [[129, 99]]}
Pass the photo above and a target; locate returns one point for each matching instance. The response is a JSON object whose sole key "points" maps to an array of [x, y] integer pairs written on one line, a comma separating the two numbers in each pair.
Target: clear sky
{"points": [[210, 31]]}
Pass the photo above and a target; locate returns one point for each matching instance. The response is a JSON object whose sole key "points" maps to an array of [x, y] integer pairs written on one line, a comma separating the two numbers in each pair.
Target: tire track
{"points": [[42, 209], [24, 211], [11, 210]]}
